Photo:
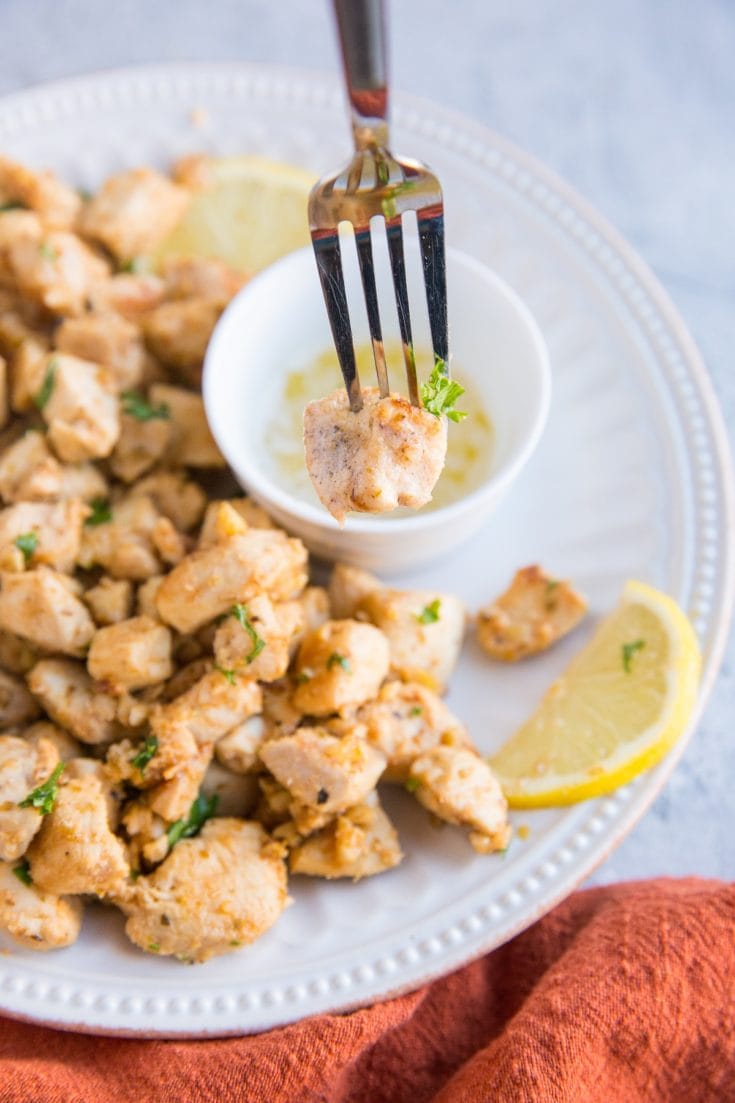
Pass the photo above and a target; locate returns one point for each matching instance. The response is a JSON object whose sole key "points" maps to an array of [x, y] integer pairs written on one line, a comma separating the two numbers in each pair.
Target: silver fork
{"points": [[376, 183]]}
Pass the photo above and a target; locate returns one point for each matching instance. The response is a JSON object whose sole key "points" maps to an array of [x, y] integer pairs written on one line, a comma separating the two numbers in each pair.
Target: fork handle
{"points": [[361, 29]]}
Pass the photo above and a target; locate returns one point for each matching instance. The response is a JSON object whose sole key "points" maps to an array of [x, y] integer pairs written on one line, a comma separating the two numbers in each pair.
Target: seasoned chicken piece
{"points": [[236, 795], [238, 751], [35, 919], [221, 520], [170, 544], [56, 272], [130, 295], [108, 339], [142, 444], [359, 843], [174, 495], [66, 746], [201, 278], [147, 596], [534, 612], [147, 834], [255, 639], [28, 374], [211, 708], [123, 546], [14, 226], [54, 529], [209, 581], [16, 655], [17, 706], [347, 587], [424, 630], [20, 319], [172, 799], [339, 665], [55, 203], [133, 212], [315, 612], [80, 408], [38, 606], [76, 850], [322, 771], [213, 893], [29, 471], [389, 454], [192, 444], [131, 654], [110, 601], [71, 698], [404, 721], [280, 715], [458, 786], [178, 333], [23, 767]]}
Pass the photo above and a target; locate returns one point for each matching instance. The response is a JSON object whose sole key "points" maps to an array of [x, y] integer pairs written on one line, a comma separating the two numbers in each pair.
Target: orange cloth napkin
{"points": [[621, 994]]}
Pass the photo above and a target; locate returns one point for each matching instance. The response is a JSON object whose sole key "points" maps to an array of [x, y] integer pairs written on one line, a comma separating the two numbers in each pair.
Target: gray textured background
{"points": [[633, 101]]}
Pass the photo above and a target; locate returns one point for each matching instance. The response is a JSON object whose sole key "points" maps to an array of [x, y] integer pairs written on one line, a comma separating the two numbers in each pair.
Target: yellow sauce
{"points": [[469, 449]]}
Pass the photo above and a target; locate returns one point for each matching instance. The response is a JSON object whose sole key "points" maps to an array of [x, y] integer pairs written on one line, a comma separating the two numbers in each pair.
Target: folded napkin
{"points": [[621, 994]]}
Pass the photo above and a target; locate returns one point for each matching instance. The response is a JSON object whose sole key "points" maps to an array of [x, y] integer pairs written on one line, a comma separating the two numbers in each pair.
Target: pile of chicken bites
{"points": [[184, 718]]}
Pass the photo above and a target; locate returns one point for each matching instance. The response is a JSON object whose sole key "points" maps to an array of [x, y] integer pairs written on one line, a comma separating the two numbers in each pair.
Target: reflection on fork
{"points": [[376, 185]]}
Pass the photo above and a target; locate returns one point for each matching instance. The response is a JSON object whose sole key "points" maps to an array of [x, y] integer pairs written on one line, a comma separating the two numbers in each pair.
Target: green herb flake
{"points": [[304, 676], [43, 798], [201, 810], [134, 265], [47, 251], [27, 542], [335, 659], [235, 942], [47, 387], [439, 393], [412, 784], [146, 753], [84, 194], [134, 874], [416, 711], [628, 651], [154, 947], [136, 405], [240, 613], [12, 205], [23, 872], [228, 674], [101, 512], [430, 613]]}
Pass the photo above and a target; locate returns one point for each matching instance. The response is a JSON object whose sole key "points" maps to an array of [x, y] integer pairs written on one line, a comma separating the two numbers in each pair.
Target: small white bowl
{"points": [[278, 323]]}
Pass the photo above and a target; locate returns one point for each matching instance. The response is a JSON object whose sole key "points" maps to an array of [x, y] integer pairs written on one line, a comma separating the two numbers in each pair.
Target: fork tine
{"points": [[367, 272], [431, 236], [329, 264], [394, 231]]}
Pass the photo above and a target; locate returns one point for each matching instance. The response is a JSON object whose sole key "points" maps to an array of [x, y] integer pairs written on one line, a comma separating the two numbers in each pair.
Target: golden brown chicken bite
{"points": [[175, 496], [213, 893], [78, 403], [123, 546], [458, 786], [178, 333], [131, 654], [534, 612], [35, 919], [56, 204], [141, 445], [72, 699], [17, 705], [38, 606], [54, 528], [255, 639], [361, 842], [209, 581], [76, 850], [57, 272], [238, 751], [133, 211], [108, 339], [424, 630], [110, 601], [347, 587], [340, 664], [192, 444], [23, 766], [29, 472], [389, 454]]}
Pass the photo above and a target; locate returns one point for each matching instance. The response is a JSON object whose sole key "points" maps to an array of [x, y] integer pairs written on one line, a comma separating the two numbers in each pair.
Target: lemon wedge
{"points": [[249, 211], [622, 703]]}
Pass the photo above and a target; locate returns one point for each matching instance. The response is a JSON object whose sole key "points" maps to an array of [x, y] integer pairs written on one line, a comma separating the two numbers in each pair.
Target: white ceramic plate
{"points": [[632, 478]]}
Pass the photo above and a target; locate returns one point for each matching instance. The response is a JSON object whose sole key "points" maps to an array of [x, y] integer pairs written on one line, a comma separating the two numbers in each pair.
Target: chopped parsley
{"points": [[23, 872], [412, 784], [304, 676], [335, 659], [84, 194], [47, 387], [628, 651], [27, 542], [47, 251], [439, 393], [430, 613], [146, 753], [43, 798], [101, 512], [201, 810], [240, 613], [134, 265], [416, 710], [154, 947], [12, 205], [228, 674], [136, 405]]}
